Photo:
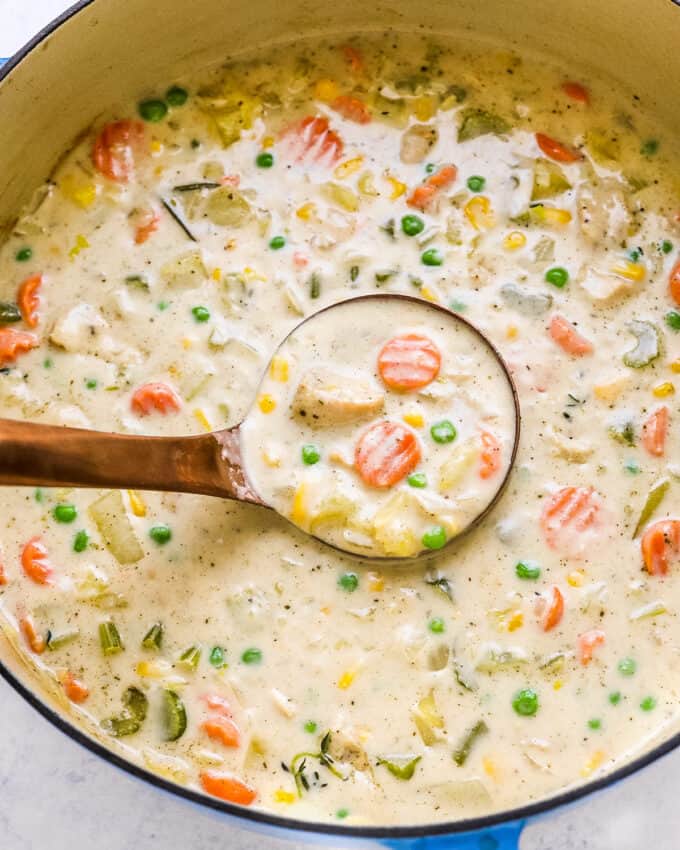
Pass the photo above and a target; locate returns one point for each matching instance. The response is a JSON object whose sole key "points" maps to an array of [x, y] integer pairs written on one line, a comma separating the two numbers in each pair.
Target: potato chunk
{"points": [[324, 398]]}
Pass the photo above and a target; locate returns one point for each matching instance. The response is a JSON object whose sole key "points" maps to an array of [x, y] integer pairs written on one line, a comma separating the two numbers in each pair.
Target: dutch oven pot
{"points": [[101, 51]]}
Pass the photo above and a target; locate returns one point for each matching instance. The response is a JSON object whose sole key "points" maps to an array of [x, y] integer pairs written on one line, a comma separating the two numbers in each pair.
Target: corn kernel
{"points": [[514, 241], [202, 419], [137, 503], [376, 582], [425, 108], [554, 215], [326, 609], [326, 90], [512, 332], [278, 369], [576, 578], [266, 403], [281, 796], [346, 679], [251, 274], [490, 767], [428, 295], [663, 390], [366, 185], [479, 213], [156, 146], [81, 244], [415, 420], [187, 342], [557, 685], [349, 166], [610, 391], [593, 763], [82, 194], [298, 512], [271, 458], [516, 621], [306, 211], [217, 275], [398, 188], [630, 271], [675, 367], [268, 142]]}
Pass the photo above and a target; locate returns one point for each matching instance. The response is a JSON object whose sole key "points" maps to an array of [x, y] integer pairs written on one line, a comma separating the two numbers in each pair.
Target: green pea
{"points": [[412, 225], [666, 246], [48, 363], [458, 306], [436, 625], [557, 276], [632, 468], [276, 243], [417, 479], [634, 255], [80, 541], [525, 702], [264, 160], [252, 655], [163, 305], [673, 320], [341, 814], [310, 726], [476, 183], [595, 723], [176, 96], [23, 255], [650, 147], [432, 257], [443, 431], [429, 168], [310, 454], [527, 570], [39, 495], [648, 704], [434, 537], [349, 582], [201, 314], [65, 513], [615, 697], [216, 657], [627, 666], [160, 534], [91, 383], [153, 110]]}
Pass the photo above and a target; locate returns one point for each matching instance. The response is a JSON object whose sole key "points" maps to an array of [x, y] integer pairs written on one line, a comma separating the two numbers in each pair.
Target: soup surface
{"points": [[146, 289]]}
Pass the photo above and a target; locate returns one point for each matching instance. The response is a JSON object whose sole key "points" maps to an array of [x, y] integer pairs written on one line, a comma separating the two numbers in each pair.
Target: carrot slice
{"points": [[218, 704], [570, 509], [409, 362], [222, 729], [116, 148], [423, 195], [29, 299], [155, 397], [568, 338], [550, 608], [76, 690], [674, 283], [655, 430], [660, 539], [354, 58], [36, 563], [352, 109], [36, 641], [3, 576], [587, 643], [13, 343], [311, 140], [386, 453], [556, 150], [576, 92], [148, 224], [490, 456], [227, 788]]}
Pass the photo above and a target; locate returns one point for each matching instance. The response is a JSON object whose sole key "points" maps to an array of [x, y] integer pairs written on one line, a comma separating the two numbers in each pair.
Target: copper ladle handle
{"points": [[52, 456]]}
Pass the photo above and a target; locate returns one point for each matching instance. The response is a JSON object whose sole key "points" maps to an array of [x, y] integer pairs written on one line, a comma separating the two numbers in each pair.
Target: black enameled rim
{"points": [[262, 818]]}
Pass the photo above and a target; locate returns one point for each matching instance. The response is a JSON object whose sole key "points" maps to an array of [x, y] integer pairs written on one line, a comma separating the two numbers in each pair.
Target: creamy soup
{"points": [[384, 427], [146, 289]]}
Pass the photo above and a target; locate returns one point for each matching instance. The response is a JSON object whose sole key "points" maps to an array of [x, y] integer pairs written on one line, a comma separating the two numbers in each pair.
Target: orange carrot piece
{"points": [[76, 690], [36, 563], [556, 150], [386, 453], [422, 195], [550, 609], [490, 456], [148, 224], [218, 704], [658, 541], [29, 299], [568, 338], [311, 140], [587, 643], [352, 109], [116, 148], [576, 92], [35, 641], [155, 397], [222, 729], [655, 431], [13, 343], [3, 575], [571, 509], [354, 58], [409, 362], [674, 282], [227, 787]]}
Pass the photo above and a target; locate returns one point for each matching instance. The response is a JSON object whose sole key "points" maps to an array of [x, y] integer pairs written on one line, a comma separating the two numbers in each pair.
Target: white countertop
{"points": [[54, 795]]}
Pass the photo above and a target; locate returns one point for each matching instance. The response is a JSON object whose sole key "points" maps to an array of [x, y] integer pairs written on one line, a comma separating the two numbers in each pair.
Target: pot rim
{"points": [[505, 817]]}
